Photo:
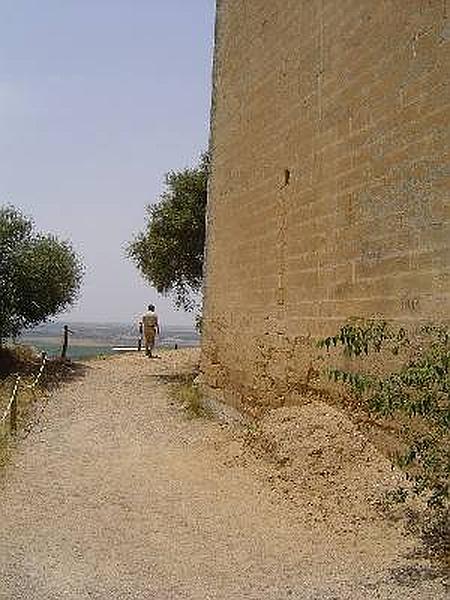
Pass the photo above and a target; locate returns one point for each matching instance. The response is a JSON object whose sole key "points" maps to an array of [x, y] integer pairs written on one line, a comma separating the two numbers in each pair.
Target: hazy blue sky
{"points": [[98, 99]]}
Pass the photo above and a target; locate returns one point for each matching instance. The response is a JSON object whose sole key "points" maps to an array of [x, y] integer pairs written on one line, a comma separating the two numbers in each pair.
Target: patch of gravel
{"points": [[116, 494]]}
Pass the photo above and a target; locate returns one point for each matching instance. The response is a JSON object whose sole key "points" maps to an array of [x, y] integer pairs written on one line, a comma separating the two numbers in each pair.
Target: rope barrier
{"points": [[39, 375], [13, 397], [11, 409]]}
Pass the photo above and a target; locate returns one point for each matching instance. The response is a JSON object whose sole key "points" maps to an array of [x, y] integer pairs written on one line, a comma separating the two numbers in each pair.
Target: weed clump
{"points": [[188, 394]]}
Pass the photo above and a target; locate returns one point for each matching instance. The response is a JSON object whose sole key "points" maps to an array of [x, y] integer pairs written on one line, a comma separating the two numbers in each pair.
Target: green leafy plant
{"points": [[359, 337], [416, 392]]}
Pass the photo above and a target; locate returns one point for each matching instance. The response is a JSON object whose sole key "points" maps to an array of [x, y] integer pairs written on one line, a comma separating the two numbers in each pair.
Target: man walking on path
{"points": [[150, 327]]}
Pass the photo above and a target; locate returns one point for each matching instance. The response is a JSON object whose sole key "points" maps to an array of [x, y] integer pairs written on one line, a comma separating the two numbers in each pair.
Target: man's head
{"points": [[151, 307]]}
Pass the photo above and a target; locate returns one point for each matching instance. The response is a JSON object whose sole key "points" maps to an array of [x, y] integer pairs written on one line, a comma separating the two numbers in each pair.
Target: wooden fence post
{"points": [[141, 333], [65, 342]]}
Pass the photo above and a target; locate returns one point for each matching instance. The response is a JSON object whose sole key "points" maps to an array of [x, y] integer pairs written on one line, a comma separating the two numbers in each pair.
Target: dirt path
{"points": [[117, 495]]}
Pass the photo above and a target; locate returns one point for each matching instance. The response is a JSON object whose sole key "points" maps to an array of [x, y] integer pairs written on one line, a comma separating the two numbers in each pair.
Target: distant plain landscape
{"points": [[88, 340]]}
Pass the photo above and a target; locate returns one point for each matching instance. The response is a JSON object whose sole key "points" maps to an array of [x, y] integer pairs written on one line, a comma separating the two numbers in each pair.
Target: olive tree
{"points": [[40, 275], [169, 251]]}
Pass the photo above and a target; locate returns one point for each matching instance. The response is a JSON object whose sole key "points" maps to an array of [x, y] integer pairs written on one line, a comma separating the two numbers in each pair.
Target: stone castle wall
{"points": [[329, 193]]}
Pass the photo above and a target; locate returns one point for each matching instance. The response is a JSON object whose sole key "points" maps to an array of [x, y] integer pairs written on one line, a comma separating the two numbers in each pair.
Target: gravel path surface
{"points": [[116, 494]]}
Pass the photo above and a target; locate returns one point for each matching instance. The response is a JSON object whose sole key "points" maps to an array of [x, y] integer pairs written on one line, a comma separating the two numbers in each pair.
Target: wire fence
{"points": [[10, 413]]}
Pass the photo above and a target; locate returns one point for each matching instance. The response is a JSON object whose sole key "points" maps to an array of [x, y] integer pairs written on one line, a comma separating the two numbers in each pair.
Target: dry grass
{"points": [[28, 403], [18, 359], [188, 394]]}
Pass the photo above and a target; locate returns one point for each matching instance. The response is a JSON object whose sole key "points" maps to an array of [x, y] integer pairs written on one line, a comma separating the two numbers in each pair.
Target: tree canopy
{"points": [[169, 251], [40, 275]]}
